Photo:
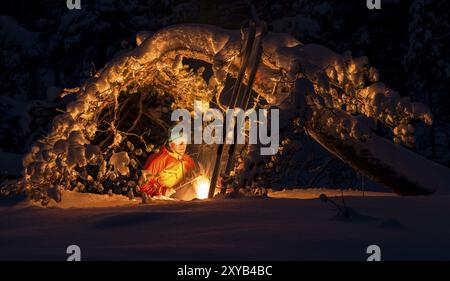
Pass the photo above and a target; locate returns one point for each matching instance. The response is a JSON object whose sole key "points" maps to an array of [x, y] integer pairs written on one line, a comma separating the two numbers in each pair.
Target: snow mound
{"points": [[73, 199], [313, 193]]}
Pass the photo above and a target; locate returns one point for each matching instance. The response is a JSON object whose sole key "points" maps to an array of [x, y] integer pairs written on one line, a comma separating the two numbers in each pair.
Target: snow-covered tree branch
{"points": [[337, 99]]}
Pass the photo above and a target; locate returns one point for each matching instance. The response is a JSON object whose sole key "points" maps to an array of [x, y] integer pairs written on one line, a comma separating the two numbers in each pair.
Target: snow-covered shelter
{"points": [[337, 99]]}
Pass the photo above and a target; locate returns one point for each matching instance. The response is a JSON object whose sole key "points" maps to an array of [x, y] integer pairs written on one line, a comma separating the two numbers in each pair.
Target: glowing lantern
{"points": [[202, 187]]}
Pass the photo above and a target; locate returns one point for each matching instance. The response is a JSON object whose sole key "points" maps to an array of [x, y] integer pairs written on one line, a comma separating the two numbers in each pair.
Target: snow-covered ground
{"points": [[282, 228]]}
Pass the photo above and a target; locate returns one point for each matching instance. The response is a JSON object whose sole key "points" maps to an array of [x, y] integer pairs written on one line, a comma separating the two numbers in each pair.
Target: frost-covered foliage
{"points": [[351, 85], [101, 155], [347, 102], [343, 26]]}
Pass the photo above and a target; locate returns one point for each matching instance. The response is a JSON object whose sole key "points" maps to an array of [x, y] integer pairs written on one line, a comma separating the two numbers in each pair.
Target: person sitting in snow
{"points": [[164, 170]]}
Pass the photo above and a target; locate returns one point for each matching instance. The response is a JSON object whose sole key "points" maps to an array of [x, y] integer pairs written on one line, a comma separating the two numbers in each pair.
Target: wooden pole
{"points": [[236, 89], [256, 58]]}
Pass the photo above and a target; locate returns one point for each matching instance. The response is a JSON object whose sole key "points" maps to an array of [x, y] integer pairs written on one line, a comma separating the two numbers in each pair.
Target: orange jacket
{"points": [[161, 162]]}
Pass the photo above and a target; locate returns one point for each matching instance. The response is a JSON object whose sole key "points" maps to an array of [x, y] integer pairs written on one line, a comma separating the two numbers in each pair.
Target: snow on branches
{"points": [[335, 96]]}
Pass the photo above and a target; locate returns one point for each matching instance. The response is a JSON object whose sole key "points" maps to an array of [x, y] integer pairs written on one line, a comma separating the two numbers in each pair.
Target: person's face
{"points": [[179, 146]]}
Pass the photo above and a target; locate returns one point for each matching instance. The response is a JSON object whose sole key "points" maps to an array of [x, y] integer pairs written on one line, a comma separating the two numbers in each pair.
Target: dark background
{"points": [[45, 47]]}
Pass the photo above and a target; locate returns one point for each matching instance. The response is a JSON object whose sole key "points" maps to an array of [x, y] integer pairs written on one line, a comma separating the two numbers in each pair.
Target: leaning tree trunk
{"points": [[337, 98]]}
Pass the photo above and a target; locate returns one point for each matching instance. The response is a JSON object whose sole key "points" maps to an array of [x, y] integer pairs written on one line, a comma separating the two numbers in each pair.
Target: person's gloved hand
{"points": [[143, 178], [170, 192]]}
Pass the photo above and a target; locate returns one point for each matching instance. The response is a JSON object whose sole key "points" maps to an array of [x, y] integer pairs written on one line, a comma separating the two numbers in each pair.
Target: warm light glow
{"points": [[202, 187]]}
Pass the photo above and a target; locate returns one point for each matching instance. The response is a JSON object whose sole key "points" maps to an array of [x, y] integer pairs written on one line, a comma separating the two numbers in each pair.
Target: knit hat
{"points": [[176, 135]]}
